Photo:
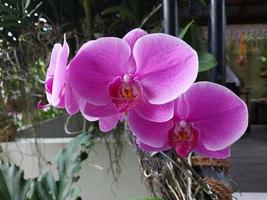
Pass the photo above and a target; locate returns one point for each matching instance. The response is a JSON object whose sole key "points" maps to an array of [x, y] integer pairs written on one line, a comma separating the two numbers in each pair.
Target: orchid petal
{"points": [[108, 123], [60, 73], [131, 37], [98, 111], [71, 100], [180, 109], [166, 65], [151, 133], [221, 154], [85, 45], [148, 148], [155, 113], [82, 105], [61, 103], [48, 97], [96, 65], [51, 71], [220, 115], [53, 60], [49, 88], [49, 85]]}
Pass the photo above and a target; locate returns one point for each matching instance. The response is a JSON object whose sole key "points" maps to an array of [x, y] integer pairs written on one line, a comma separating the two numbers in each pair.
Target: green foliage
{"points": [[13, 186], [124, 15], [185, 29], [16, 16], [69, 164], [44, 114], [193, 36], [206, 61]]}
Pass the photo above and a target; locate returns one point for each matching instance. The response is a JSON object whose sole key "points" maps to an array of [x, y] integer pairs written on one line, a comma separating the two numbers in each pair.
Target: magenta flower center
{"points": [[125, 92], [183, 137]]}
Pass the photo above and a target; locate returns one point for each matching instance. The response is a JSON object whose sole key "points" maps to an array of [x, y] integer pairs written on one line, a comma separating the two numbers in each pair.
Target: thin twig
{"points": [[150, 15], [16, 58]]}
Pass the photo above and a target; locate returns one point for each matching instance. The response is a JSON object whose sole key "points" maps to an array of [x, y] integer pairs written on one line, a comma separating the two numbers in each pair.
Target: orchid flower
{"points": [[142, 72], [207, 119], [58, 90]]}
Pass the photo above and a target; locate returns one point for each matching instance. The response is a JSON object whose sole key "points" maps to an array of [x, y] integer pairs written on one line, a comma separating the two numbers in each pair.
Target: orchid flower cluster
{"points": [[147, 79]]}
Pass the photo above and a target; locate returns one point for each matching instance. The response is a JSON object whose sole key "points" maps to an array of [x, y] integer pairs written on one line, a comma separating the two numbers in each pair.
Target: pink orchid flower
{"points": [[142, 72], [207, 119], [58, 90]]}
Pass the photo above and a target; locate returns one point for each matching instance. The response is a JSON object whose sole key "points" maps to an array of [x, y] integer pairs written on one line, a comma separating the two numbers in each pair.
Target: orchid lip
{"points": [[125, 92], [183, 137]]}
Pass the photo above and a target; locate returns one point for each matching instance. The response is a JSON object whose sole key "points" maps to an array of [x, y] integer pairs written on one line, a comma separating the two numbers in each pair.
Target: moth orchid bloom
{"points": [[142, 72], [207, 119], [58, 90]]}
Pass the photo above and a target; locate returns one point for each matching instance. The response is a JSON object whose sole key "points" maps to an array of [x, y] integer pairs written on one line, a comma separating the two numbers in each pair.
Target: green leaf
{"points": [[204, 3], [194, 38], [185, 29], [6, 10], [27, 3], [46, 187], [124, 12], [147, 198], [13, 186], [155, 10], [206, 61], [69, 164]]}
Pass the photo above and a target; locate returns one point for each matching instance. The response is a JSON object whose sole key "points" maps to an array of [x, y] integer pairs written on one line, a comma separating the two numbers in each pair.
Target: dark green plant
{"points": [[193, 36], [206, 59], [15, 17], [125, 15], [13, 185]]}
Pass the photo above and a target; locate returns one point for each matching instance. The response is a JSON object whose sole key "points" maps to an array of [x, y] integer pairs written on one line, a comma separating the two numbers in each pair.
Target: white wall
{"points": [[96, 183]]}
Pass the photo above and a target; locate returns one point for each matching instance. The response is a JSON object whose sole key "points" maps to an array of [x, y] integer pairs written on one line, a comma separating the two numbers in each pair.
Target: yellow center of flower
{"points": [[127, 93], [183, 136]]}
